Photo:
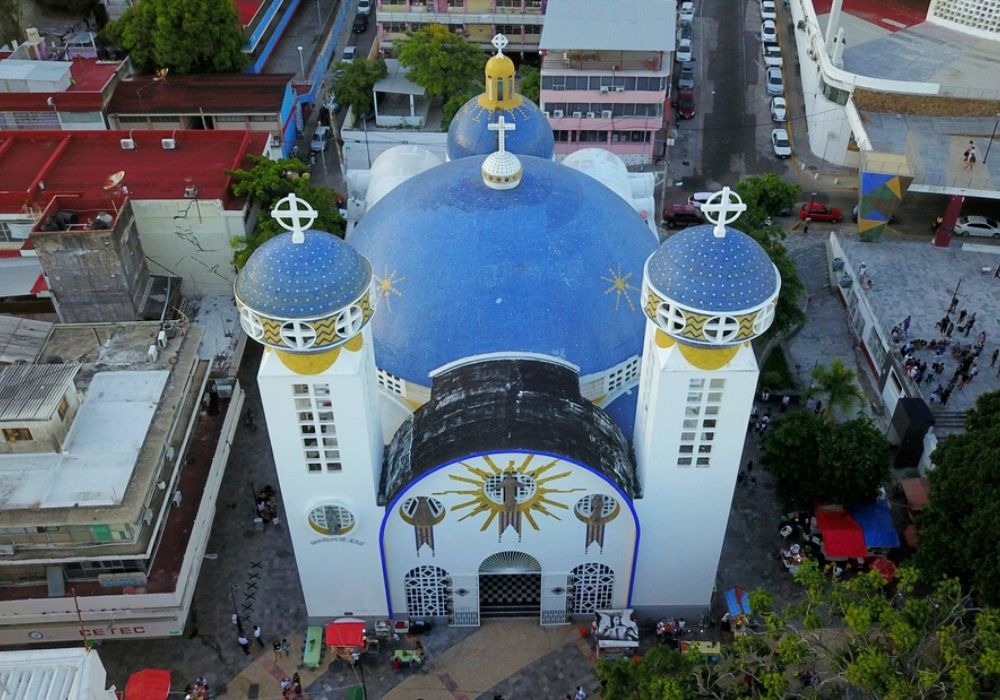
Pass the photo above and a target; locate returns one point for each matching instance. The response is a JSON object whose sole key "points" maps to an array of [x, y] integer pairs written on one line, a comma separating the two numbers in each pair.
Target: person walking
{"points": [[244, 643], [286, 647], [970, 156], [993, 360], [906, 325], [805, 225], [276, 648], [581, 694], [257, 635]]}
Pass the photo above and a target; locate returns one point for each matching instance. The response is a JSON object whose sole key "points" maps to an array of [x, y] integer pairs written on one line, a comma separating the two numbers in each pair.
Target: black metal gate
{"points": [[510, 595]]}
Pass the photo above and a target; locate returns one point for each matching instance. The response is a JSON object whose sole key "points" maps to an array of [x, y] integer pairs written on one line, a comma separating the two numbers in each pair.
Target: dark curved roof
{"points": [[513, 405]]}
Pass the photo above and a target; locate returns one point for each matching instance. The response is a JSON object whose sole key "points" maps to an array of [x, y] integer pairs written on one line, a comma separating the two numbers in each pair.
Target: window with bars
{"points": [[317, 427], [427, 591], [391, 382], [593, 585], [703, 400]]}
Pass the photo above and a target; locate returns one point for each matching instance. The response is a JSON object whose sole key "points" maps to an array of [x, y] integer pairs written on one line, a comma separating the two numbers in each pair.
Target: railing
{"points": [[557, 61], [390, 14]]}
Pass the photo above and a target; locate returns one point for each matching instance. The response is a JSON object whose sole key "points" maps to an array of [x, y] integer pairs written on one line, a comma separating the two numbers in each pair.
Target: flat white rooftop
{"points": [[599, 25], [53, 674], [100, 450]]}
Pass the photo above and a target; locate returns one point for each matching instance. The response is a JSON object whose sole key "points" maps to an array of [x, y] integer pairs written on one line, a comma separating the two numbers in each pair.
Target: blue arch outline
{"points": [[392, 507]]}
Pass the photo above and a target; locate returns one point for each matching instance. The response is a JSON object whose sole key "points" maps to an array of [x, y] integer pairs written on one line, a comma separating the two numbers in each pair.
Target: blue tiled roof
{"points": [[468, 134], [699, 270], [302, 280], [622, 411], [553, 266]]}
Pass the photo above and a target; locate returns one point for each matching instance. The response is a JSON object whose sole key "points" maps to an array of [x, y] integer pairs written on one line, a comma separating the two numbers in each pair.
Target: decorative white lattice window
{"points": [[427, 591], [622, 375], [671, 318], [331, 519], [251, 323], [349, 321], [593, 587], [721, 329], [298, 335], [391, 382], [764, 319], [317, 427]]}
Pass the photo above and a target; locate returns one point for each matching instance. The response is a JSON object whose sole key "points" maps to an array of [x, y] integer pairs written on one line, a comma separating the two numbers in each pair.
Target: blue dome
{"points": [[553, 266], [283, 279], [699, 270], [468, 134]]}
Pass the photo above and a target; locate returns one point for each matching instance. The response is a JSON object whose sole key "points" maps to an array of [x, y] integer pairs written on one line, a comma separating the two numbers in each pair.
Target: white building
{"points": [[73, 673], [451, 393]]}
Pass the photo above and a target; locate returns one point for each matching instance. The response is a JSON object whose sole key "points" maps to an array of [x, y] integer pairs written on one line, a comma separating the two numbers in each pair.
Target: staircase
{"points": [[949, 420]]}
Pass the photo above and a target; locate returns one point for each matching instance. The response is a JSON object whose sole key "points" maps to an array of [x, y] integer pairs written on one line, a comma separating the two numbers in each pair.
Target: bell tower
{"points": [[707, 293], [307, 296]]}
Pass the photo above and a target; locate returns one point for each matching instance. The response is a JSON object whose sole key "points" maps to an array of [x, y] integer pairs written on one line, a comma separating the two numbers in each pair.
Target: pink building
{"points": [[606, 74], [477, 21]]}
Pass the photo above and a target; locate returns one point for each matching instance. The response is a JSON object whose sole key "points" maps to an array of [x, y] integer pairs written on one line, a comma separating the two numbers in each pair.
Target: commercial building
{"points": [[476, 21]]}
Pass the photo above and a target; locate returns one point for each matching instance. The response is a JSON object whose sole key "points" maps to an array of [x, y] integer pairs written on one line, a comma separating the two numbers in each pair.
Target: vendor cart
{"points": [[615, 631]]}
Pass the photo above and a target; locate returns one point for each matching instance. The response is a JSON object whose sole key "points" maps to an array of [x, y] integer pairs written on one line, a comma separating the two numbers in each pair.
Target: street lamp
{"points": [[236, 611], [996, 123], [302, 63], [319, 14]]}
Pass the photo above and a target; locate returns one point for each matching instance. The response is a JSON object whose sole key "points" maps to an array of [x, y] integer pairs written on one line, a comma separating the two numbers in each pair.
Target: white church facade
{"points": [[500, 396]]}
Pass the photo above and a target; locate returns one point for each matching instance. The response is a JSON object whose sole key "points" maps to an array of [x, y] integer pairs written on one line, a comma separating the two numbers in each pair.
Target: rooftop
{"points": [[241, 93], [624, 25], [396, 81], [72, 673], [32, 392], [23, 84], [22, 339], [39, 165]]}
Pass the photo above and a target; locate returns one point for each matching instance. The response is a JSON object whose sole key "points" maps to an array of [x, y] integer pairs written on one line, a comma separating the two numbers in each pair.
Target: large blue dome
{"points": [[700, 270], [469, 134], [283, 279], [553, 266]]}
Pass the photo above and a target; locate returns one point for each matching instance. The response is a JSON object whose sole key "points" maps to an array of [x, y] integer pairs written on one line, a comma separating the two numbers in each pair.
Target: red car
{"points": [[685, 104], [817, 211]]}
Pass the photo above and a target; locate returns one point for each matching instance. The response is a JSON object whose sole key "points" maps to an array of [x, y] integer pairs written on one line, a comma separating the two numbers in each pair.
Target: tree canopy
{"points": [[185, 36], [11, 12], [765, 196], [835, 383], [822, 463], [958, 530], [442, 62], [353, 82], [531, 82], [844, 639], [264, 185]]}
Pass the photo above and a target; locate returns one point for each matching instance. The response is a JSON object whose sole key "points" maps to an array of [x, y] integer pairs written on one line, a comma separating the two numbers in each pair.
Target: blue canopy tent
{"points": [[875, 520], [737, 602]]}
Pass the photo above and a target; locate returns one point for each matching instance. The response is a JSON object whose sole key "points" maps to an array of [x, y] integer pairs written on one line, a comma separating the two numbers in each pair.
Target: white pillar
{"points": [[832, 23]]}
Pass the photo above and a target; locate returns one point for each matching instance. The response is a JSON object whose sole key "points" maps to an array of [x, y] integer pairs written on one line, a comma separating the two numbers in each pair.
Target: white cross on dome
{"points": [[296, 217], [499, 43], [501, 127], [723, 203]]}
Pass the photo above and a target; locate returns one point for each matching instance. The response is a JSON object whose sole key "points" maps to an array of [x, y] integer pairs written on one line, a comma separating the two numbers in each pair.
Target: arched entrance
{"points": [[510, 585]]}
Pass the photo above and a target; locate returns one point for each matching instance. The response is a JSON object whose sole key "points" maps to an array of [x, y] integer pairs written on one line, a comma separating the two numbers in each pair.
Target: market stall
{"points": [[346, 638], [738, 610], [842, 536], [616, 631], [148, 684], [875, 521]]}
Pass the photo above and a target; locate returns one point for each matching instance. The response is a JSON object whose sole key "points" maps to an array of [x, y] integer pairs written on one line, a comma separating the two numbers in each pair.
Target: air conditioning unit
{"points": [[153, 353], [147, 516], [6, 550], [577, 115], [605, 89], [127, 144], [619, 88], [168, 144], [546, 113], [275, 142], [557, 113], [169, 454], [190, 191], [606, 114], [161, 339], [590, 115]]}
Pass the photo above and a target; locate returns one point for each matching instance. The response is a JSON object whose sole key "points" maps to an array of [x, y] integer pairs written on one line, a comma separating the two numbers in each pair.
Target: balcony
{"points": [[400, 13], [592, 61]]}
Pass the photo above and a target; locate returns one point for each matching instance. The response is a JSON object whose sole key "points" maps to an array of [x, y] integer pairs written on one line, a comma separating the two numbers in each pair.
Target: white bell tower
{"points": [[707, 292], [307, 297]]}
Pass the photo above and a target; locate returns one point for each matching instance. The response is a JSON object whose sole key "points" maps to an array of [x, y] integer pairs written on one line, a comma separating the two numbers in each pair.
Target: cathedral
{"points": [[501, 395]]}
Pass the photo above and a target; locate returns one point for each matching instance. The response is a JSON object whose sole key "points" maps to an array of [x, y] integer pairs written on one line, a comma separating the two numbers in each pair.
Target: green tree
{"points": [[836, 384], [11, 14], [353, 83], [442, 62], [531, 82], [958, 530], [822, 463], [765, 196], [264, 184], [185, 36]]}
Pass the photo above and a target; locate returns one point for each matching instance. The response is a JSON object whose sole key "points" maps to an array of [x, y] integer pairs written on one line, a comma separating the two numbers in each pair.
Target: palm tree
{"points": [[835, 383]]}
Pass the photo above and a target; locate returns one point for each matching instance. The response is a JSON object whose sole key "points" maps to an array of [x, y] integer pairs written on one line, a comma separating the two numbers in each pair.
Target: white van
{"points": [[699, 198]]}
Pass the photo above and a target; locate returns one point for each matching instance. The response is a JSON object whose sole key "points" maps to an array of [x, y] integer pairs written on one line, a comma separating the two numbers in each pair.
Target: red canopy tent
{"points": [[347, 632], [148, 684], [842, 536]]}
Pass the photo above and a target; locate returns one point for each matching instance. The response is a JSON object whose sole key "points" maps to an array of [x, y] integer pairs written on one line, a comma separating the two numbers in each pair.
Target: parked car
{"points": [[775, 82], [364, 7], [684, 52], [681, 215], [332, 103], [767, 10], [699, 198], [350, 53], [685, 31], [686, 12], [977, 226], [772, 54], [768, 31], [780, 144], [360, 23], [685, 104], [685, 78], [779, 110], [319, 140], [892, 219], [817, 211]]}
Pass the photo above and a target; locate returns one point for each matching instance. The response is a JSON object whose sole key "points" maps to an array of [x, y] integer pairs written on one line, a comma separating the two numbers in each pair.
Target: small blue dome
{"points": [[697, 269], [468, 134], [552, 266], [283, 279]]}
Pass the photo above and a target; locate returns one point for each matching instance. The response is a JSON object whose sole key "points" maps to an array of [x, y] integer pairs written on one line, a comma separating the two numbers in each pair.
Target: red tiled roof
{"points": [[77, 163], [241, 93], [90, 78]]}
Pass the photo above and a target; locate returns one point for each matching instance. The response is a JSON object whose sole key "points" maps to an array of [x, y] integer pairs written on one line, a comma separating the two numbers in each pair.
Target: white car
{"points": [[772, 54], [686, 12], [768, 31], [364, 7], [780, 143], [350, 53], [977, 226], [775, 82], [319, 140], [684, 53], [779, 110], [767, 10]]}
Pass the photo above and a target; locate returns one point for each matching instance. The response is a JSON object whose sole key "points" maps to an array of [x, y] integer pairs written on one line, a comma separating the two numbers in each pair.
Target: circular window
{"points": [[509, 487], [764, 319], [721, 329], [331, 520], [349, 321], [298, 335], [251, 323], [671, 318]]}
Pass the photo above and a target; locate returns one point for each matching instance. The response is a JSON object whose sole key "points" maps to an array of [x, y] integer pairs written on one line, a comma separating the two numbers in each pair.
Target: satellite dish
{"points": [[114, 179]]}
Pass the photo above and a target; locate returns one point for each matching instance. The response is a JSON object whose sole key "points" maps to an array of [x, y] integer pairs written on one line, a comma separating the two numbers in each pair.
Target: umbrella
{"points": [[884, 567]]}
